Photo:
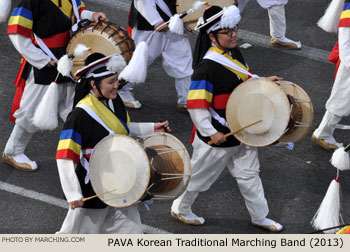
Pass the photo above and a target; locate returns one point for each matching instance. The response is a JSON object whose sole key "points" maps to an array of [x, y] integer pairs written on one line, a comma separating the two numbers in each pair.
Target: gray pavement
{"points": [[295, 181]]}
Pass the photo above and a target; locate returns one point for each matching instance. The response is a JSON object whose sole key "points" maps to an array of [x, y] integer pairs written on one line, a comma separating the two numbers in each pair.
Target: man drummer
{"points": [[50, 22], [98, 112], [145, 17], [212, 83]]}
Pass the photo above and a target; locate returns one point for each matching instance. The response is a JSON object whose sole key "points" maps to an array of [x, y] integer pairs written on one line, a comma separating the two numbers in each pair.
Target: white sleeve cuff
{"points": [[141, 129], [69, 180], [202, 119], [86, 14]]}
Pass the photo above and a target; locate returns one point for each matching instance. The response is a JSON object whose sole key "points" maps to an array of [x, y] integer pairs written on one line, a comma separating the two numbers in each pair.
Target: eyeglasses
{"points": [[230, 32]]}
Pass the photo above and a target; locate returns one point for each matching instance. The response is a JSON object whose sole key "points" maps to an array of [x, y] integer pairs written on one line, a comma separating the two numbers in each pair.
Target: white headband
{"points": [[96, 75]]}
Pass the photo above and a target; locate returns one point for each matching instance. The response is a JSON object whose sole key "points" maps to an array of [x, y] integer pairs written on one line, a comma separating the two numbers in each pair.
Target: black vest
{"points": [[135, 18]]}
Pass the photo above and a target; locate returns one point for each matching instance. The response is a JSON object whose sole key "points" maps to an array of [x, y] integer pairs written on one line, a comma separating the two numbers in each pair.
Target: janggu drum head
{"points": [[258, 99], [119, 163], [102, 37]]}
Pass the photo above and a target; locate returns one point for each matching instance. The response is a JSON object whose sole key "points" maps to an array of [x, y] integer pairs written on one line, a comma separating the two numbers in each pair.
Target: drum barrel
{"points": [[166, 164]]}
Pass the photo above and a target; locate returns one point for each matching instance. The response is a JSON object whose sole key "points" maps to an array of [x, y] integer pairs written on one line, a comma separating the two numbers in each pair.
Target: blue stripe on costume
{"points": [[202, 84], [71, 134], [21, 11]]}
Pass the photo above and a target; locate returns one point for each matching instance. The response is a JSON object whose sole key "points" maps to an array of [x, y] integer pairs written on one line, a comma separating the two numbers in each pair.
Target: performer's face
{"points": [[109, 86], [227, 38]]}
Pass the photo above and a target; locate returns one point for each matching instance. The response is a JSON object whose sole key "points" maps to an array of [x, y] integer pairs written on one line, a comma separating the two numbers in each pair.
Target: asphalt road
{"points": [[295, 181]]}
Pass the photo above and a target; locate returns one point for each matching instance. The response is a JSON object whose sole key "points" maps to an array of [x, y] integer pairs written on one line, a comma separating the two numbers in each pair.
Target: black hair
{"points": [[203, 42]]}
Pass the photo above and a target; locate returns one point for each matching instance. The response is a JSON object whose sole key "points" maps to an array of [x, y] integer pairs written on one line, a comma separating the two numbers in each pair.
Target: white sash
{"points": [[221, 59], [44, 47], [83, 160]]}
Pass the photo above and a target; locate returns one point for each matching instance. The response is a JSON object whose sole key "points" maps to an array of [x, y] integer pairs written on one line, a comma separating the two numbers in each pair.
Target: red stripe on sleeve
{"points": [[196, 104], [344, 22], [67, 154], [17, 29]]}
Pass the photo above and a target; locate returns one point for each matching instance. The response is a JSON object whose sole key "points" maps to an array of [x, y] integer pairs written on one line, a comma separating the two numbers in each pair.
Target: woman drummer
{"points": [[98, 112]]}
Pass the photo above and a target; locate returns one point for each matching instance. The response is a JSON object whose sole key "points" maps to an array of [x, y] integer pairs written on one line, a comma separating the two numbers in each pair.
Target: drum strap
{"points": [[44, 47], [91, 113], [218, 118], [76, 13]]}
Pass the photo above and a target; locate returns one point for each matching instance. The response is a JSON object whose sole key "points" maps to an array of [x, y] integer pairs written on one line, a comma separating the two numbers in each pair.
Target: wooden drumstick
{"points": [[191, 21], [237, 131], [97, 195]]}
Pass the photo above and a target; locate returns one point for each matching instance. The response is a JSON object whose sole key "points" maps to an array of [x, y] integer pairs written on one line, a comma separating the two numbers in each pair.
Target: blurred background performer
{"points": [[30, 22], [278, 25], [212, 84], [145, 16], [98, 112], [336, 19]]}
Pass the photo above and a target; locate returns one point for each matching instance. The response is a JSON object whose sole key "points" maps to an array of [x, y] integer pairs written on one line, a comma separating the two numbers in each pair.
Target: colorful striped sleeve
{"points": [[81, 6], [21, 22], [69, 145], [200, 94], [345, 15]]}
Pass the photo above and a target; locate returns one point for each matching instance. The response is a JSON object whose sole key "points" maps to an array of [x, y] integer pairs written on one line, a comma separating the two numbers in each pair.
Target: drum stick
{"points": [[191, 21], [237, 131], [97, 195]]}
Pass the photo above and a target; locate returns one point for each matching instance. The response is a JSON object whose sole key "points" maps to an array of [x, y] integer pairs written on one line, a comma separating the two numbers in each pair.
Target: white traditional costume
{"points": [[336, 19], [175, 49], [212, 84]]}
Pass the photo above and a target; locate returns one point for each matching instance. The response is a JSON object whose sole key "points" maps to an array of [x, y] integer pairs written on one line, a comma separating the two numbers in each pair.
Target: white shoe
{"points": [[133, 104], [268, 224], [21, 162], [285, 42], [328, 143], [191, 218]]}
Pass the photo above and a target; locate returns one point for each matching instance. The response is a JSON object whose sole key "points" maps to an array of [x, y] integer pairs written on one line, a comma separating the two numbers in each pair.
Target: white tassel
{"points": [[5, 7], [80, 50], [116, 64], [136, 70], [330, 20], [45, 116], [64, 65], [197, 5], [328, 214], [340, 159], [230, 18], [176, 25]]}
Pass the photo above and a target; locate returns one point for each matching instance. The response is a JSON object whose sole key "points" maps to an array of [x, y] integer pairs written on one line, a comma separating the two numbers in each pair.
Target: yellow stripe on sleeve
{"points": [[69, 144]]}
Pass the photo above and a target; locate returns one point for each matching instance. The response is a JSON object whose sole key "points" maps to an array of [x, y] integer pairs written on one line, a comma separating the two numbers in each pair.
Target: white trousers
{"points": [[108, 220], [327, 125], [263, 3], [32, 95], [276, 12], [277, 21], [338, 102], [207, 163], [176, 54]]}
